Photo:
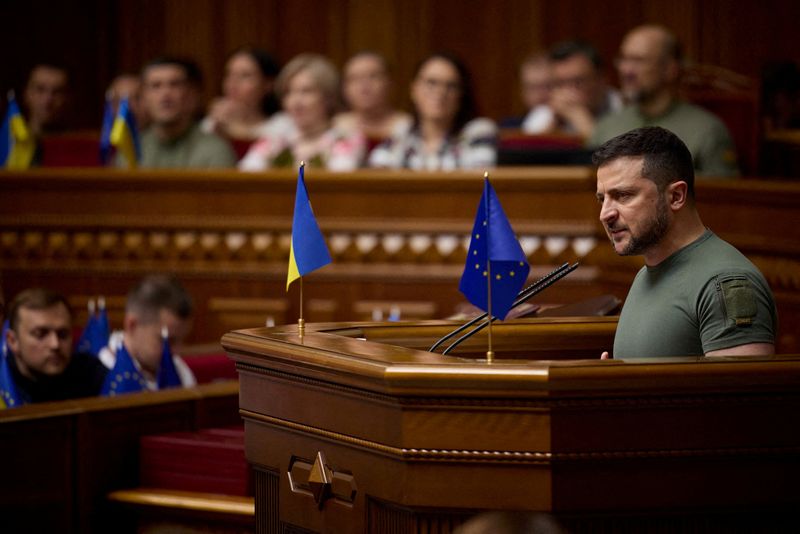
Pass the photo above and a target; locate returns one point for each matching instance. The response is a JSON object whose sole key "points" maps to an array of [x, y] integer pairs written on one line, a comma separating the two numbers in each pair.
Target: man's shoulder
{"points": [[696, 116], [615, 123]]}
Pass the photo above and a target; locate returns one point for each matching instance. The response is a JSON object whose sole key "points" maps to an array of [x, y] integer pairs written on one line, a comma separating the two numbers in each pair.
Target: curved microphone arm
{"points": [[557, 275]]}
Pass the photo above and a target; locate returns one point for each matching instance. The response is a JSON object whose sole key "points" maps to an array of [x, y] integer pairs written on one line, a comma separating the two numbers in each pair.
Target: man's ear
{"points": [[12, 341], [129, 323], [677, 195]]}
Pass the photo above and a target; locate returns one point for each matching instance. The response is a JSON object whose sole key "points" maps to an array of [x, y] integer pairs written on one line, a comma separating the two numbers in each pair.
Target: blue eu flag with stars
{"points": [[9, 398], [167, 373], [124, 377], [493, 248], [96, 333]]}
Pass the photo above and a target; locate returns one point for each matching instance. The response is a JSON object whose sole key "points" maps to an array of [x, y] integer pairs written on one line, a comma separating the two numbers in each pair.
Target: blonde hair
{"points": [[322, 71]]}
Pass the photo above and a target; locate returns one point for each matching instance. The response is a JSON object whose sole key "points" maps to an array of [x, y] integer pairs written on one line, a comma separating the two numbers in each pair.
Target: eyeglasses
{"points": [[634, 60], [576, 81], [433, 84]]}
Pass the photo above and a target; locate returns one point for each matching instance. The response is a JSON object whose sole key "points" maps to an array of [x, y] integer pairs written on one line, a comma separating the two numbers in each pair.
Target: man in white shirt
{"points": [[155, 303]]}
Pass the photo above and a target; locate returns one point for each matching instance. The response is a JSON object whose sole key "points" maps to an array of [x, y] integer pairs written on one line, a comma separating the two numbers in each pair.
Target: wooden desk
{"points": [[412, 441], [61, 459], [157, 510]]}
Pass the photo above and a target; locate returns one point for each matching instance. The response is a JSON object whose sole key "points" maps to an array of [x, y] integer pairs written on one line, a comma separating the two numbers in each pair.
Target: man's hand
{"points": [[605, 356]]}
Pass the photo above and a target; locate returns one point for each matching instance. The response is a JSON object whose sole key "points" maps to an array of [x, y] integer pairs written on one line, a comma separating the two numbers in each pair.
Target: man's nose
{"points": [[608, 212], [52, 340]]}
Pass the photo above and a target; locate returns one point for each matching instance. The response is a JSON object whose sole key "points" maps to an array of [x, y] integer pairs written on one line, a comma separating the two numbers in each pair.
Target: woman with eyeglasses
{"points": [[445, 133]]}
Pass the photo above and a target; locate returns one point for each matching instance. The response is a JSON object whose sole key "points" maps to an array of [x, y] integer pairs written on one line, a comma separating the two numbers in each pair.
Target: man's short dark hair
{"points": [[158, 292], [565, 50], [193, 73], [36, 298], [666, 158]]}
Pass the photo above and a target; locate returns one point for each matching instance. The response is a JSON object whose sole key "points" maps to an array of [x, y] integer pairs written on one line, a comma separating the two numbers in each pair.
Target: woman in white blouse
{"points": [[308, 87], [445, 133]]}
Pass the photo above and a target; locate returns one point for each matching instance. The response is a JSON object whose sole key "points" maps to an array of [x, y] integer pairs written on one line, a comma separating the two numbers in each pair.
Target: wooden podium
{"points": [[358, 428]]}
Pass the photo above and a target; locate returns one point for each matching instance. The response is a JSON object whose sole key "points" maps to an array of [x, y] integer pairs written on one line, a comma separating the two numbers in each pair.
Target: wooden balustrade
{"points": [[395, 237]]}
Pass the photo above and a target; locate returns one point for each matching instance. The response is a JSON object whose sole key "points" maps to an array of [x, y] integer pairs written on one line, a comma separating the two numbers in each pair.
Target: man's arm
{"points": [[750, 349]]}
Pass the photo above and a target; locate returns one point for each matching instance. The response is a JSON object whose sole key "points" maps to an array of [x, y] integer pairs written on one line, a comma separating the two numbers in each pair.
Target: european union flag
{"points": [[124, 377], [308, 250], [96, 333], [125, 135], [9, 398], [167, 373], [17, 144], [495, 248], [105, 131]]}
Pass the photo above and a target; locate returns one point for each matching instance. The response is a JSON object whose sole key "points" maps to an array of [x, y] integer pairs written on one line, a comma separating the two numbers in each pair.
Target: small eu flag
{"points": [[167, 372], [9, 398], [96, 333], [124, 377], [308, 250], [493, 248]]}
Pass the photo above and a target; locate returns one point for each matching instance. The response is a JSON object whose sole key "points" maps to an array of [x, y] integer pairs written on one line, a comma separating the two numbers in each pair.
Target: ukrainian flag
{"points": [[308, 250], [125, 136], [105, 131], [17, 145]]}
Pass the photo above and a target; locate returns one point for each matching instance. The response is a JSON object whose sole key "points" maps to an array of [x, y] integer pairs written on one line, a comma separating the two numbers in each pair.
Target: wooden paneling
{"points": [[64, 457], [416, 441], [395, 237]]}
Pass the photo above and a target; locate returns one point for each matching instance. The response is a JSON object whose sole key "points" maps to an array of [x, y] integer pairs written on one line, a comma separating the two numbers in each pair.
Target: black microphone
{"points": [[538, 286], [528, 293]]}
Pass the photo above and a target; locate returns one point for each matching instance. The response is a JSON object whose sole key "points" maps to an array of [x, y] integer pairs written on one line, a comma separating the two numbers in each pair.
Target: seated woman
{"points": [[445, 133], [248, 101], [366, 88], [308, 87]]}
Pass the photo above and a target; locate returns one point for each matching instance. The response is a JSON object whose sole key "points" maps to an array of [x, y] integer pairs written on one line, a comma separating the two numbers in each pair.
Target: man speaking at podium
{"points": [[696, 294]]}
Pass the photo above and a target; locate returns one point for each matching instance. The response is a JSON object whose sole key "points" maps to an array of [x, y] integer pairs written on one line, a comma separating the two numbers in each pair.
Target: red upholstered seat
{"points": [[211, 367], [207, 461], [80, 149]]}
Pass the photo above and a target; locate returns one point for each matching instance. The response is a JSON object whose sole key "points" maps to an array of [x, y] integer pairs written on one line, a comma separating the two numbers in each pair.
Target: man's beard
{"points": [[651, 234]]}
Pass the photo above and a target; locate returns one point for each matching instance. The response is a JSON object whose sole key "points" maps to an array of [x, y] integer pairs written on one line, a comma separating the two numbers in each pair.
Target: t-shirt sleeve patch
{"points": [[739, 299]]}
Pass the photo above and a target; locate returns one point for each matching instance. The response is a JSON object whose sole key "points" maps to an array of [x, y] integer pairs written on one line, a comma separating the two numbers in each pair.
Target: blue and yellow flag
{"points": [[125, 136], [124, 377], [493, 248], [308, 250], [96, 334], [17, 145], [9, 398], [167, 372], [105, 131]]}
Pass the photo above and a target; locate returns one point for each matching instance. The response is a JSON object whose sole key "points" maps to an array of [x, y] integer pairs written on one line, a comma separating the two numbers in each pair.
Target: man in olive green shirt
{"points": [[649, 69], [696, 295], [170, 89]]}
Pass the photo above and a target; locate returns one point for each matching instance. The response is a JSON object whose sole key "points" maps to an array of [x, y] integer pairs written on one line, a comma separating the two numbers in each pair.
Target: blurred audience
{"points": [[248, 99], [45, 99], [155, 303], [535, 84], [129, 86], [580, 95], [40, 361], [445, 133], [308, 87], [367, 91], [649, 67], [170, 98]]}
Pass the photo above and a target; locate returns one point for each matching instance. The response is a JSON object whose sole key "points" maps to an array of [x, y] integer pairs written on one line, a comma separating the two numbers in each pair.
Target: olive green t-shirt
{"points": [[194, 149], [706, 296]]}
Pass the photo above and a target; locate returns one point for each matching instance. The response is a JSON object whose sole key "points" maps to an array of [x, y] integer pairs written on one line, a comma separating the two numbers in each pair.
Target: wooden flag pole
{"points": [[489, 352], [301, 323]]}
